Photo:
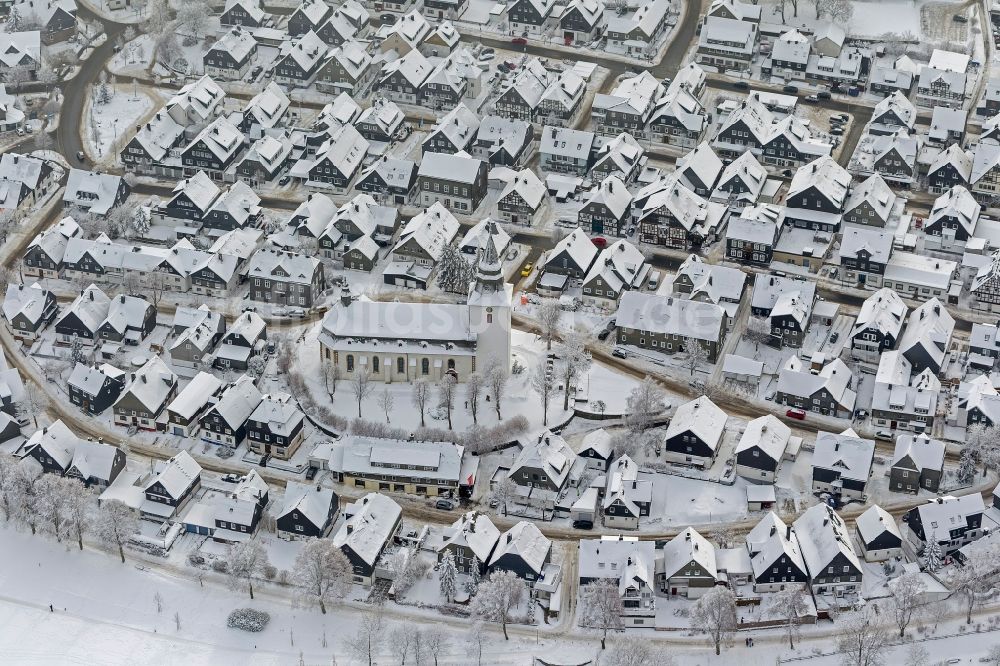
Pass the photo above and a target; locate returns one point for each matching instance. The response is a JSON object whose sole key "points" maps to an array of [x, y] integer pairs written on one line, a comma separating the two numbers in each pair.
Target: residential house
{"points": [[230, 57], [173, 484], [522, 199], [775, 558], [824, 391], [470, 540], [695, 432], [225, 422], [878, 535], [523, 550], [878, 325], [842, 464], [371, 525], [146, 395], [917, 462], [828, 553], [619, 268], [459, 182], [275, 428], [95, 192], [28, 310], [307, 512], [184, 411], [285, 278], [902, 400], [607, 208], [687, 566], [761, 449], [864, 253], [670, 325], [927, 336], [630, 565]]}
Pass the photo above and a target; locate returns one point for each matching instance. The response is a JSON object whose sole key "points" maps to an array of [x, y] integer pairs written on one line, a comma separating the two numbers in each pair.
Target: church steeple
{"points": [[489, 269]]}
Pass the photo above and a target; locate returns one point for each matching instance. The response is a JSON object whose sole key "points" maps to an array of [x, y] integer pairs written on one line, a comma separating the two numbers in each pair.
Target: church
{"points": [[403, 342]]}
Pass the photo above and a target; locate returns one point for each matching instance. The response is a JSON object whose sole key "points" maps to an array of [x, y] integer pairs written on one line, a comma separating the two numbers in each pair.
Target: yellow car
{"points": [[526, 271]]}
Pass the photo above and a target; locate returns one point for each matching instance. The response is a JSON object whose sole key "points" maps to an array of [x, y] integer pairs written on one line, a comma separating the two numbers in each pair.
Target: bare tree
{"points": [[322, 571], [790, 604], [402, 640], [974, 580], [386, 401], [421, 396], [8, 485], [475, 640], [52, 502], [497, 598], [437, 643], [715, 614], [626, 652], [361, 386], [542, 384], [332, 375], [549, 317], [503, 491], [244, 561], [862, 639], [473, 394], [496, 377], [602, 608], [992, 657], [23, 491], [364, 645], [644, 402], [447, 388], [757, 331], [694, 356], [33, 401], [907, 599], [116, 523], [574, 361]]}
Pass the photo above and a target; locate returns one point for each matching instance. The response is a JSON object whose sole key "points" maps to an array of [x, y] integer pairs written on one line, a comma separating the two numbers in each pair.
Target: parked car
{"points": [[812, 99], [796, 413], [311, 473], [884, 435], [618, 352], [526, 271], [81, 156], [824, 95], [603, 335], [837, 131], [284, 180], [741, 85], [583, 524], [444, 504], [600, 241], [834, 337], [791, 90], [296, 312], [520, 41]]}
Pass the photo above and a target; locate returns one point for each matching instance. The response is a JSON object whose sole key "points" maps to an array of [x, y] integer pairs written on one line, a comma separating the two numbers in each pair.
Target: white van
{"points": [[654, 280]]}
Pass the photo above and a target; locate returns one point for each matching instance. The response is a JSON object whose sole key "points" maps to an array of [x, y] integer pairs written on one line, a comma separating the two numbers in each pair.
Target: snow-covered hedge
{"points": [[248, 619]]}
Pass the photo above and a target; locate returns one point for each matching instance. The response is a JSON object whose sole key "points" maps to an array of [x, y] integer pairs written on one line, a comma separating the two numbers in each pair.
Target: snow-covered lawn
{"points": [[134, 58], [107, 125]]}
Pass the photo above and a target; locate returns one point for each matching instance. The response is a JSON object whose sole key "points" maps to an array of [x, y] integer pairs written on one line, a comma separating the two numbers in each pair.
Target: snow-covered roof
{"points": [[94, 460], [474, 530], [822, 535], [373, 456], [196, 100], [643, 311], [566, 142], [311, 501], [193, 397], [151, 384], [279, 412], [959, 204], [611, 192], [431, 230], [874, 521], [383, 114], [308, 50], [926, 453], [835, 377], [548, 452], [875, 241], [940, 515], [702, 418], [21, 49], [826, 175], [883, 311], [90, 307], [578, 246], [90, 379], [688, 546], [28, 301], [345, 149], [177, 474], [283, 266], [527, 185], [599, 441], [769, 540], [616, 558], [713, 281], [237, 43], [57, 440], [369, 527], [526, 541], [767, 433], [792, 47], [620, 265], [459, 168], [238, 401], [399, 321], [929, 326], [846, 453], [96, 192], [413, 67]]}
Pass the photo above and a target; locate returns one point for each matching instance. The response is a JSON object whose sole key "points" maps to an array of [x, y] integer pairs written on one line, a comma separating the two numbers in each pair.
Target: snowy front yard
{"points": [[113, 113]]}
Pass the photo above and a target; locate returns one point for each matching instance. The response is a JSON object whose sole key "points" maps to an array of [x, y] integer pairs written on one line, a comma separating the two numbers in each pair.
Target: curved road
{"points": [[69, 141]]}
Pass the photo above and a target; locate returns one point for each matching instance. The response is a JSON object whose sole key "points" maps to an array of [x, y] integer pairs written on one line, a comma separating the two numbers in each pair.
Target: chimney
{"points": [[788, 533], [773, 530], [509, 538]]}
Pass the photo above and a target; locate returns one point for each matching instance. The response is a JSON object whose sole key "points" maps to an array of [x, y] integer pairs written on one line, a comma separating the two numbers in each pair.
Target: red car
{"points": [[600, 242], [799, 414], [520, 41]]}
